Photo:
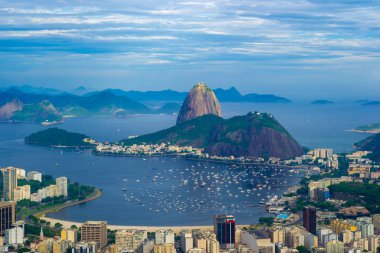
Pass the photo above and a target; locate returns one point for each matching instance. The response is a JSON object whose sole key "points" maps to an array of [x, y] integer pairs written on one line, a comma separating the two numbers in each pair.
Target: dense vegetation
{"points": [[372, 143], [57, 137], [40, 112], [193, 131], [268, 221], [36, 185], [359, 194]]}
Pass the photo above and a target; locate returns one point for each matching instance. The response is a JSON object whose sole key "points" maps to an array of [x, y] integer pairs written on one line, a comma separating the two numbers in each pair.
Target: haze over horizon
{"points": [[291, 48]]}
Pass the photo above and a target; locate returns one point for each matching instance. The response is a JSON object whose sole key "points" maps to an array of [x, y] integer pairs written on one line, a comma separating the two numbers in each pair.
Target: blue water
{"points": [[167, 201]]}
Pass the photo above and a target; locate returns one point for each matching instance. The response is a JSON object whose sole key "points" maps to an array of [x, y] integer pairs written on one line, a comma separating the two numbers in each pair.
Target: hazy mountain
{"points": [[229, 95], [224, 95], [7, 110], [322, 102], [36, 90], [103, 103], [81, 90], [169, 108], [201, 100], [42, 112], [372, 103]]}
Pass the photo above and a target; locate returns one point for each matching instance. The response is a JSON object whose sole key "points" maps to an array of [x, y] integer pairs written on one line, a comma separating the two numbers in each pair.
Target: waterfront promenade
{"points": [[175, 229]]}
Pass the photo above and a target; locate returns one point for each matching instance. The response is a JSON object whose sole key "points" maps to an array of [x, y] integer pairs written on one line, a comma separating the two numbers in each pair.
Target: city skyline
{"points": [[282, 47]]}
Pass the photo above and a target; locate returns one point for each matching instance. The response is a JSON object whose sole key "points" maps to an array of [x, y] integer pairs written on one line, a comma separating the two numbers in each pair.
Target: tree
{"points": [[268, 221], [302, 249], [58, 225]]}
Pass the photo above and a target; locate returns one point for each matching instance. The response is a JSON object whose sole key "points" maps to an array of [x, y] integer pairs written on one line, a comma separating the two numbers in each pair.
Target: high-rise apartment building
{"points": [[61, 183], [187, 241], [224, 228], [69, 234], [310, 219], [164, 236], [95, 231], [376, 222], [7, 216], [9, 182], [34, 175], [164, 248], [130, 240]]}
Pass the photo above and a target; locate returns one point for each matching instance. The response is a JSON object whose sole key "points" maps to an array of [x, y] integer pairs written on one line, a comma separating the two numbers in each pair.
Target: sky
{"points": [[294, 48]]}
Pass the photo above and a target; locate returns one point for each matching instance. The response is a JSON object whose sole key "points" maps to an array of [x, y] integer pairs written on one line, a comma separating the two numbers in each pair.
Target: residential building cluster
{"points": [[323, 157], [146, 149], [13, 192], [318, 190]]}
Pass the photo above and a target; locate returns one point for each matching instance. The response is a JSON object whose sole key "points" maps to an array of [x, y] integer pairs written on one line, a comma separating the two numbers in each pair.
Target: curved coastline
{"points": [[176, 229], [42, 214]]}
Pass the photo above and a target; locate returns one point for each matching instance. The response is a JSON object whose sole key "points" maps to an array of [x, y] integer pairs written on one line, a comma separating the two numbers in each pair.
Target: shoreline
{"points": [[176, 229], [364, 131], [42, 214], [190, 158]]}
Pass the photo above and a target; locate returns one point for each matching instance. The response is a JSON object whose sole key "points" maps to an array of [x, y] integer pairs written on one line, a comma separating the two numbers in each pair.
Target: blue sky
{"points": [[294, 48]]}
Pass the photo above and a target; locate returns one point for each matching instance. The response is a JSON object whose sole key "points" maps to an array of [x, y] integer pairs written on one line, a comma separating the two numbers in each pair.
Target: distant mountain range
{"points": [[110, 102], [224, 95]]}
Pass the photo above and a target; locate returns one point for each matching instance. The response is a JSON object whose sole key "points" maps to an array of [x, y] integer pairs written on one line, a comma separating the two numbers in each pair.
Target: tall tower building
{"points": [[95, 231], [7, 216], [224, 228], [61, 183], [310, 219], [9, 182]]}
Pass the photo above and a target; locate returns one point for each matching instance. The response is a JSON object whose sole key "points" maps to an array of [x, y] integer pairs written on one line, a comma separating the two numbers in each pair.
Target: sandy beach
{"points": [[176, 229]]}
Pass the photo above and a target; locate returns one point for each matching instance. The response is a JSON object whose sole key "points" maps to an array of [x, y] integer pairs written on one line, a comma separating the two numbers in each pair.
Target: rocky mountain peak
{"points": [[200, 100], [9, 108]]}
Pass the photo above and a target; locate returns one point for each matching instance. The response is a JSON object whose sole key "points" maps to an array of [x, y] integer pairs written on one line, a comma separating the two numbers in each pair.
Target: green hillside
{"points": [[57, 137], [252, 135], [372, 143], [43, 111]]}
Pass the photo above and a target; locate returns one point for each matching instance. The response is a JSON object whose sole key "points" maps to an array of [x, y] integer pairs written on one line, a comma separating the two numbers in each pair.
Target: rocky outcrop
{"points": [[44, 112], [7, 110], [201, 100]]}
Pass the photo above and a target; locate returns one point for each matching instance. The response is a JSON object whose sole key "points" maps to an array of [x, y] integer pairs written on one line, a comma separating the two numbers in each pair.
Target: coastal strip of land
{"points": [[97, 194], [175, 229]]}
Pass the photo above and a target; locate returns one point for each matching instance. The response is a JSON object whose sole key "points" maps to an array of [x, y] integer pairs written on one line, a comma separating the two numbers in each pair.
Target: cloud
{"points": [[173, 34]]}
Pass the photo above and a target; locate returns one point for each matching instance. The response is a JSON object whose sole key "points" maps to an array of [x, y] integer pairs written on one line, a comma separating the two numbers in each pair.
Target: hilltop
{"points": [[201, 100], [252, 135], [42, 112], [53, 137]]}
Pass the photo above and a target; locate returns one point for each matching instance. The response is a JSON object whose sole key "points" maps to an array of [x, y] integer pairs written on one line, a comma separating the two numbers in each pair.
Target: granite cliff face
{"points": [[201, 100], [7, 110]]}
